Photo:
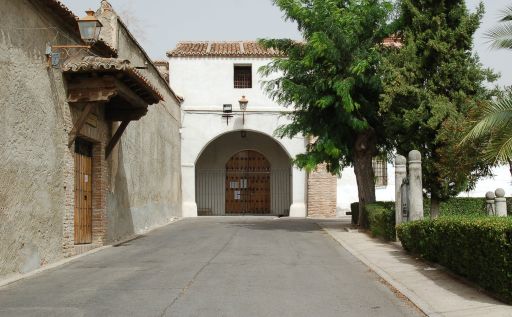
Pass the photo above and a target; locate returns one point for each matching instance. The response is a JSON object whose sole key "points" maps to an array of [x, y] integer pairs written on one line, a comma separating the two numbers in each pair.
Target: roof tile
{"points": [[223, 49]]}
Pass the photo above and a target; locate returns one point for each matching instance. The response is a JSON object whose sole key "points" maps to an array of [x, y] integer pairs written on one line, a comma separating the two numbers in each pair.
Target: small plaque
{"points": [[86, 178]]}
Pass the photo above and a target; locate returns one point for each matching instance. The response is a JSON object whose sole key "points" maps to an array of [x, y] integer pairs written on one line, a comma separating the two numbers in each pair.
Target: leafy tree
{"points": [[431, 85], [331, 81]]}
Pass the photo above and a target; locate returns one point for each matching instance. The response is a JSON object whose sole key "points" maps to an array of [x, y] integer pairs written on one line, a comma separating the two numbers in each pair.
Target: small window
{"points": [[380, 169], [243, 76]]}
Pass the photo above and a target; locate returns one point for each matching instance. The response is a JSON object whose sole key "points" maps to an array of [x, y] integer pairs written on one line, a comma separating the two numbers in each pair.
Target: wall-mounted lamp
{"points": [[243, 106], [90, 28], [227, 109]]}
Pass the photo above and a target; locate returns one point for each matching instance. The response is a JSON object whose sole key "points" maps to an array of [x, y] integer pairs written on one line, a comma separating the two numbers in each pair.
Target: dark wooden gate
{"points": [[83, 192], [248, 184]]}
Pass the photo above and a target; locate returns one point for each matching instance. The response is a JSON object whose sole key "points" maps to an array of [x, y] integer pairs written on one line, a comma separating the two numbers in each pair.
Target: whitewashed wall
{"points": [[206, 84]]}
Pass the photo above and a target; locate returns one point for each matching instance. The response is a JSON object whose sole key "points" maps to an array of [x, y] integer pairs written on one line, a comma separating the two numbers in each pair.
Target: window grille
{"points": [[243, 76], [380, 169]]}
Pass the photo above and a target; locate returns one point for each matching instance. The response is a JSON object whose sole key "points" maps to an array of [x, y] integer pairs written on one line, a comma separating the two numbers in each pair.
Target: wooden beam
{"points": [[115, 138], [131, 97], [80, 123]]}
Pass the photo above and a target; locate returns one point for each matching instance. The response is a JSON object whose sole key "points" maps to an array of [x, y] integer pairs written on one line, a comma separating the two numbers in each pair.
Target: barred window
{"points": [[243, 76], [380, 169]]}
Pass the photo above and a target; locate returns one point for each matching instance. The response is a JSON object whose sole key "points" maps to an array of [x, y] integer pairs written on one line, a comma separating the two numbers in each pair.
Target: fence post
{"points": [[501, 203], [415, 186], [400, 175], [490, 204]]}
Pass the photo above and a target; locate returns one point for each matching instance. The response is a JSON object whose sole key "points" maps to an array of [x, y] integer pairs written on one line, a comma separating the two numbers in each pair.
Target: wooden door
{"points": [[248, 184], [83, 192]]}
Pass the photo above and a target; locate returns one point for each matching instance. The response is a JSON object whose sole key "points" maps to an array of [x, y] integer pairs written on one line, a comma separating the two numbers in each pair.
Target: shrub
{"points": [[381, 219], [477, 248], [458, 206]]}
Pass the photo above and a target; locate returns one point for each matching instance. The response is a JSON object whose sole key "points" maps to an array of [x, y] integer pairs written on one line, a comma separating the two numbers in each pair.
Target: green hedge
{"points": [[458, 206], [477, 248], [381, 219]]}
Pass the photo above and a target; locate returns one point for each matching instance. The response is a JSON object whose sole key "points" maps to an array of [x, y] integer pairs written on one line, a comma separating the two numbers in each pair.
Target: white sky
{"points": [[160, 24]]}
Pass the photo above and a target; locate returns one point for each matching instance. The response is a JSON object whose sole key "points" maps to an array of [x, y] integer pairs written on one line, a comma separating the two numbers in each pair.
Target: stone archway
{"points": [[214, 185]]}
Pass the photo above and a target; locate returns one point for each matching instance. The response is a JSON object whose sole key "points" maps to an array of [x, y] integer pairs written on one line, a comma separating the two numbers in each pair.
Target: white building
{"points": [[231, 162]]}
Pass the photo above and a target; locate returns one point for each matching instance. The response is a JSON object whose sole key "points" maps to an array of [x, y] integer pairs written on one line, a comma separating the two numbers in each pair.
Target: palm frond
{"points": [[496, 116], [501, 36]]}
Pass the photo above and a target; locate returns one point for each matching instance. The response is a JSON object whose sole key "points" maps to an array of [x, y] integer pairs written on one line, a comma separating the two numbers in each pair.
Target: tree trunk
{"points": [[364, 150], [434, 207], [510, 166]]}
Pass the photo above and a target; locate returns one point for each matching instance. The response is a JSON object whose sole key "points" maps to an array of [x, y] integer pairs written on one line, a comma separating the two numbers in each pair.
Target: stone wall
{"points": [[137, 188], [36, 178], [145, 188], [321, 193]]}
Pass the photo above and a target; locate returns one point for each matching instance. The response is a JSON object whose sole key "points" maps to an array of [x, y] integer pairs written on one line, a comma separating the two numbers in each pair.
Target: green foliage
{"points": [[477, 248], [459, 206], [330, 79], [501, 35], [431, 85], [494, 124], [381, 218]]}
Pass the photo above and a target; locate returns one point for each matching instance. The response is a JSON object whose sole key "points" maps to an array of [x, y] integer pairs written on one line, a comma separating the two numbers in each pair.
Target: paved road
{"points": [[211, 267]]}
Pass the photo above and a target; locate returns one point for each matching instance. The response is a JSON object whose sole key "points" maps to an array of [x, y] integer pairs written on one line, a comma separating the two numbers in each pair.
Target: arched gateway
{"points": [[245, 173]]}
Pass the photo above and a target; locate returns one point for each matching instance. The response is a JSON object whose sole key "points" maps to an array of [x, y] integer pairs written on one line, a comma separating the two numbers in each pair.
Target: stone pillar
{"points": [[188, 185], [500, 203], [400, 175], [322, 193], [489, 203], [415, 186], [298, 207]]}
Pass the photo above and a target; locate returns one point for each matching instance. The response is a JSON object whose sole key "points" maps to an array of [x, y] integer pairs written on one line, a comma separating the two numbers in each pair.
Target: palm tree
{"points": [[501, 35], [495, 121], [495, 125]]}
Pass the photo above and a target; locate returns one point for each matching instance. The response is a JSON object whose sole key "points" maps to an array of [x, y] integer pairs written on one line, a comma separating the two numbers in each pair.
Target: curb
{"points": [[19, 277], [418, 302]]}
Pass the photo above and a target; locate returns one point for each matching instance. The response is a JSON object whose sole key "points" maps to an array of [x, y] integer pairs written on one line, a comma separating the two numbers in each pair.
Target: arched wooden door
{"points": [[248, 184]]}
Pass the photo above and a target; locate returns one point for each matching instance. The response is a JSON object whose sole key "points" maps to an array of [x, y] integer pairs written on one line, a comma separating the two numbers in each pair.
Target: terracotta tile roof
{"points": [[392, 42], [88, 64], [222, 49]]}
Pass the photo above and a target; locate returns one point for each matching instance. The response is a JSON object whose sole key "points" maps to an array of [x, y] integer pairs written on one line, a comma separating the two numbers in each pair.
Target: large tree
{"points": [[431, 85], [332, 82]]}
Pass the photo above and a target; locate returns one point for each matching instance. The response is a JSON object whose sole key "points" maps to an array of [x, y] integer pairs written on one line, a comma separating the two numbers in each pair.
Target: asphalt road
{"points": [[211, 267]]}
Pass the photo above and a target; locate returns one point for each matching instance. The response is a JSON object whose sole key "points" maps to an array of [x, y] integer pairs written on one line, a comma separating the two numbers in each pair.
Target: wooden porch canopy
{"points": [[110, 83]]}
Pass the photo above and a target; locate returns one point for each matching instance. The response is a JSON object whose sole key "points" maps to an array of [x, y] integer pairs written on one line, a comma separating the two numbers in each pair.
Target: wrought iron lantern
{"points": [[90, 27], [243, 106]]}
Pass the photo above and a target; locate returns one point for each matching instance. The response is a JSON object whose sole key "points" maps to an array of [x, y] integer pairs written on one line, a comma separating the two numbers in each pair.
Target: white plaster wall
{"points": [[347, 186], [207, 83]]}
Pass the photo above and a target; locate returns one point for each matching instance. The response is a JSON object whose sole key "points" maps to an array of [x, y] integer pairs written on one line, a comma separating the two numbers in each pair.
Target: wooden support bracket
{"points": [[115, 138], [80, 123]]}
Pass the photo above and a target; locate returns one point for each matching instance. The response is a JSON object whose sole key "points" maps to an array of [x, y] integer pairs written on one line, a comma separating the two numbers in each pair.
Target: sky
{"points": [[160, 24]]}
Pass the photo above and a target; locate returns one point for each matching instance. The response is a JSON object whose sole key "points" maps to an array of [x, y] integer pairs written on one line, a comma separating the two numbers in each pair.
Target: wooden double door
{"points": [[83, 192], [248, 184]]}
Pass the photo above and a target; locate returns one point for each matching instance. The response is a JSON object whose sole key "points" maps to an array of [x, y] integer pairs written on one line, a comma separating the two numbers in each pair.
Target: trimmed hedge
{"points": [[458, 206], [477, 248], [381, 219]]}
